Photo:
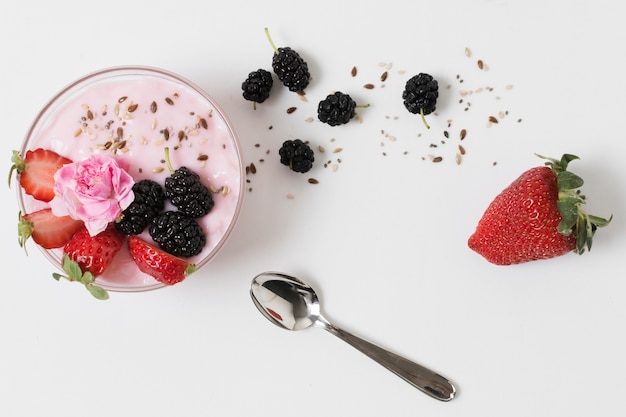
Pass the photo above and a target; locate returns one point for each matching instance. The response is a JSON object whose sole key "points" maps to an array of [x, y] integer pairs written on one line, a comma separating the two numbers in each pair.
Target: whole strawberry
{"points": [[157, 263], [86, 257], [538, 216]]}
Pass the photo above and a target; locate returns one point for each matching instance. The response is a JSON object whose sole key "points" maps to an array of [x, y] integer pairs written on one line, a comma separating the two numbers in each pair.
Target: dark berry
{"points": [[290, 68], [149, 201], [336, 109], [186, 192], [177, 234], [297, 155], [420, 94], [257, 86]]}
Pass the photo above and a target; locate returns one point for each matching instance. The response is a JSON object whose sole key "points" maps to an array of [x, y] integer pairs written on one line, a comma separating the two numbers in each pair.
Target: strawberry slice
{"points": [[46, 229], [36, 171], [157, 263], [94, 254]]}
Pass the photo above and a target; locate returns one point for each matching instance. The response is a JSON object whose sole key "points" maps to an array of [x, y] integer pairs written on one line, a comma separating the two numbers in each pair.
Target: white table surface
{"points": [[382, 237]]}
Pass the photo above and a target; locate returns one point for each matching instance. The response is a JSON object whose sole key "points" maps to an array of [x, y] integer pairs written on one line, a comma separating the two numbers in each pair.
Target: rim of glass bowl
{"points": [[78, 85]]}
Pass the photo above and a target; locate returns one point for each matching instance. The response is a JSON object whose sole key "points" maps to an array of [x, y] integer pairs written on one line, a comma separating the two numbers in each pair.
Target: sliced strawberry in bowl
{"points": [[46, 229], [35, 171], [162, 266], [94, 254], [86, 257]]}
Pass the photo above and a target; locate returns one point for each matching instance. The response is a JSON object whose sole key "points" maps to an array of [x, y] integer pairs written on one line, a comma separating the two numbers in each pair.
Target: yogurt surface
{"points": [[132, 115]]}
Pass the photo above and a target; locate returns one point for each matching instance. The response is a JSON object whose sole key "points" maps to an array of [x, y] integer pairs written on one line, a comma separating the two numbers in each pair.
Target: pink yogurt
{"points": [[132, 114]]}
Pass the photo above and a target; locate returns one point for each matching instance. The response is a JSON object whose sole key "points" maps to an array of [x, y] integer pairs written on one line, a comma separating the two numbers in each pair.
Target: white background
{"points": [[382, 238]]}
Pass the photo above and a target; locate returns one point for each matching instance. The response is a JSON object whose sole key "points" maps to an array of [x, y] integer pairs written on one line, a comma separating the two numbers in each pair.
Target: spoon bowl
{"points": [[292, 304]]}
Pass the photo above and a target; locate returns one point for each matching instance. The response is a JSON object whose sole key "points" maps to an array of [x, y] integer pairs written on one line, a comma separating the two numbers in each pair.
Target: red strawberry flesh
{"points": [[46, 229], [94, 253], [157, 263], [36, 172], [521, 223]]}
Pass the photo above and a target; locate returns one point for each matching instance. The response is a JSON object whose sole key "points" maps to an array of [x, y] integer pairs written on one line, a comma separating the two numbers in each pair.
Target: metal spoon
{"points": [[293, 305]]}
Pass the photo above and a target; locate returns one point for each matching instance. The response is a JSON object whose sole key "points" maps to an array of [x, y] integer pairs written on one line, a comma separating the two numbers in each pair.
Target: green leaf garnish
{"points": [[75, 274], [98, 292]]}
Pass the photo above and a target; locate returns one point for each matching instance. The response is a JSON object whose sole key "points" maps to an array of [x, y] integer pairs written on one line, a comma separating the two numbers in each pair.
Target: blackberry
{"points": [[336, 109], [177, 234], [420, 95], [297, 155], [186, 192], [149, 201], [257, 86], [290, 68]]}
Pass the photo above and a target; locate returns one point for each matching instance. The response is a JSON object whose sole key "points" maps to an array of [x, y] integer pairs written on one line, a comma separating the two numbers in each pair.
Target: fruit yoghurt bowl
{"points": [[132, 174]]}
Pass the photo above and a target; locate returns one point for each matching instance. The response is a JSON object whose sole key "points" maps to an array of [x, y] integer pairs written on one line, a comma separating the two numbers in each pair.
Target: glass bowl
{"points": [[132, 113]]}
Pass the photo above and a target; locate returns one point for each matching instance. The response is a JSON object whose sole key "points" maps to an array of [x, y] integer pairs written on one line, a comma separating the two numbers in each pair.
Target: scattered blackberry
{"points": [[186, 192], [149, 201], [257, 86], [420, 95], [297, 155], [177, 234], [290, 68], [337, 109]]}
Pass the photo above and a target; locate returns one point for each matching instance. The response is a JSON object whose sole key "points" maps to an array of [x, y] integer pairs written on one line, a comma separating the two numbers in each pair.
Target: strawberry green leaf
{"points": [[574, 219], [18, 165], [98, 292], [24, 231], [566, 159], [191, 268], [583, 239], [569, 216], [559, 165], [599, 221], [568, 181]]}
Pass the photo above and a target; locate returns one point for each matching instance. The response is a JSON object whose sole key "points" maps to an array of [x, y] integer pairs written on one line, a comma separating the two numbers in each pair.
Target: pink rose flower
{"points": [[95, 190]]}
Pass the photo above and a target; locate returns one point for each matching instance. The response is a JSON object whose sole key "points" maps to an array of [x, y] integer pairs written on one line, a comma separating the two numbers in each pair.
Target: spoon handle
{"points": [[420, 377]]}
